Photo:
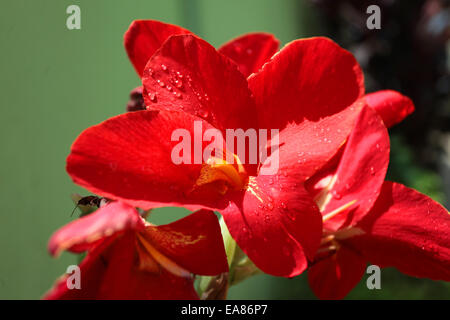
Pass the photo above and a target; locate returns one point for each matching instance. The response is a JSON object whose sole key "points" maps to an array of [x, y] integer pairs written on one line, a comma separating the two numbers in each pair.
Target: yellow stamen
{"points": [[337, 211], [324, 196], [252, 187], [217, 169], [164, 261], [327, 239]]}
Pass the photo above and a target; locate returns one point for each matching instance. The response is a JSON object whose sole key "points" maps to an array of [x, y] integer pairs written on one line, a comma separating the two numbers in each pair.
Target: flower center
{"points": [[222, 174]]}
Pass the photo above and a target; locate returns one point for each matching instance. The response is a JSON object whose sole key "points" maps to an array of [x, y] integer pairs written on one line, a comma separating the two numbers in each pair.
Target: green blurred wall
{"points": [[57, 82]]}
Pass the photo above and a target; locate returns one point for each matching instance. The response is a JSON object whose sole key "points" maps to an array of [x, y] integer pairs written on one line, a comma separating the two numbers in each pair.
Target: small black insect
{"points": [[92, 201]]}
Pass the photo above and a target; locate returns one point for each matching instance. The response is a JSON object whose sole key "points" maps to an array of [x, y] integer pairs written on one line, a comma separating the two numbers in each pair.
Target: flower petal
{"points": [[391, 105], [361, 171], [194, 243], [276, 224], [144, 37], [251, 51], [81, 234], [334, 277], [122, 279], [317, 85], [92, 269], [409, 231], [110, 272], [189, 74], [129, 158], [311, 79]]}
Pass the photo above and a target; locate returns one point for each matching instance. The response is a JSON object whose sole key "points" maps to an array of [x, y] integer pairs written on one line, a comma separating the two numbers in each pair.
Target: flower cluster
{"points": [[327, 209]]}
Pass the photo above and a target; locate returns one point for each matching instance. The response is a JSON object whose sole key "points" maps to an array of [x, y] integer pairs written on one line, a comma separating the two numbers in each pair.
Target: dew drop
{"points": [[204, 113], [178, 84], [336, 195], [164, 67], [152, 96]]}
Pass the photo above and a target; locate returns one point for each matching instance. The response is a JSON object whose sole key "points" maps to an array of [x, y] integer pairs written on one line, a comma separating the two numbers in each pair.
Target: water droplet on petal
{"points": [[177, 94], [152, 96], [204, 113], [178, 84], [336, 195]]}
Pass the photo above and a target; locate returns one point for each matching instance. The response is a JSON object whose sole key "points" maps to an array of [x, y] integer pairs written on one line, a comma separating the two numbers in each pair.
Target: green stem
{"points": [[240, 268]]}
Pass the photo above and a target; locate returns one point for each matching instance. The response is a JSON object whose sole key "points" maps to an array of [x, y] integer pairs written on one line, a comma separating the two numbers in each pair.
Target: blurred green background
{"points": [[56, 82]]}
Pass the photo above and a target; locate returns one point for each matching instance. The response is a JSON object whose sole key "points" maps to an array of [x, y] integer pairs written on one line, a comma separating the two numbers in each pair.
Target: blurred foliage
{"points": [[410, 53], [404, 169]]}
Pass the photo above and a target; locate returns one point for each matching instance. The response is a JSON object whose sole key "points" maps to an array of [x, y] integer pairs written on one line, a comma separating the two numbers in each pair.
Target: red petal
{"points": [[194, 243], [92, 269], [317, 84], [336, 276], [189, 74], [128, 158], [276, 224], [361, 170], [144, 37], [311, 79], [251, 51], [110, 272], [80, 234], [122, 279], [409, 231], [392, 106]]}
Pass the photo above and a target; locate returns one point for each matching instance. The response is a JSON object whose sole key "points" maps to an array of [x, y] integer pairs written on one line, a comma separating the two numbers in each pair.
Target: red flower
{"points": [[128, 258], [368, 219], [390, 105], [310, 91], [249, 51], [144, 37]]}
